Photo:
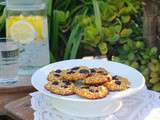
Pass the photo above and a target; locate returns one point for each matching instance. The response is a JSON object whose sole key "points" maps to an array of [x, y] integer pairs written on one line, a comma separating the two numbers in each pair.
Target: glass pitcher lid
{"points": [[25, 4]]}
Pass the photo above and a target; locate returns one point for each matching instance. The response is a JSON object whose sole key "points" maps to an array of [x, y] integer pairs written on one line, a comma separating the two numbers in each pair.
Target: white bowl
{"points": [[77, 106]]}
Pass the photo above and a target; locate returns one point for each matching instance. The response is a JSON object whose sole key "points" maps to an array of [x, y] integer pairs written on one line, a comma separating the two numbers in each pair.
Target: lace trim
{"points": [[134, 108]]}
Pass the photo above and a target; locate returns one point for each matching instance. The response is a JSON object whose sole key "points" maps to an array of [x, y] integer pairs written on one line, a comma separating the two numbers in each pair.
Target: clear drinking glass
{"points": [[9, 55]]}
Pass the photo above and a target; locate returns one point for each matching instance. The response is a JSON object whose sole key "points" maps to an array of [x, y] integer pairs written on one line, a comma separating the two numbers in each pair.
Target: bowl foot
{"points": [[107, 110]]}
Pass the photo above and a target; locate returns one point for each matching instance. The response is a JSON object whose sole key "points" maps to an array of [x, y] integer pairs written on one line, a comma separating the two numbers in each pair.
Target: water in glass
{"points": [[9, 53]]}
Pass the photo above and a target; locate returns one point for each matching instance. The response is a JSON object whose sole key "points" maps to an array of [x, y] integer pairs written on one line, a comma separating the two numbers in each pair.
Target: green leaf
{"points": [[52, 58], [125, 19], [135, 65], [146, 72], [124, 11], [130, 43], [90, 33], [71, 41], [131, 56], [96, 40], [2, 19], [156, 87], [112, 33], [61, 16], [74, 41], [153, 51], [116, 3], [108, 14], [154, 80], [117, 28], [115, 37], [116, 59], [130, 5], [139, 44], [103, 48], [109, 32], [125, 32], [111, 18], [76, 45], [84, 20], [54, 40], [154, 67], [126, 47], [154, 61], [50, 7], [97, 17]]}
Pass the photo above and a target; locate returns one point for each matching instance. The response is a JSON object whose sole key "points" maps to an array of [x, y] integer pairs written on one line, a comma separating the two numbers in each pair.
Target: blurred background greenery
{"points": [[112, 28]]}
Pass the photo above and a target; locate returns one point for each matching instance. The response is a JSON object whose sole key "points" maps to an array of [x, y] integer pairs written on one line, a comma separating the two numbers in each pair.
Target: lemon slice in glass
{"points": [[22, 32]]}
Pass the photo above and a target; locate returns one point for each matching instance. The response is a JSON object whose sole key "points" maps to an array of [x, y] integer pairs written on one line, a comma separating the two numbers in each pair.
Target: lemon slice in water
{"points": [[22, 32]]}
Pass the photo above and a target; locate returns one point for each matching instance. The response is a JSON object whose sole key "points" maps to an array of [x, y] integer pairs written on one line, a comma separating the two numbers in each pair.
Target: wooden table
{"points": [[20, 109], [14, 91]]}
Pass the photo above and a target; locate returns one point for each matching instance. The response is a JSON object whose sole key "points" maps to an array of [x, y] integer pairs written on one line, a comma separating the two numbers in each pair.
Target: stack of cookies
{"points": [[90, 83]]}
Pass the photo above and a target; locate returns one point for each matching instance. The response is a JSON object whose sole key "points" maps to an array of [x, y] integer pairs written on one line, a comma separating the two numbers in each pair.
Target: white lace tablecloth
{"points": [[145, 105]]}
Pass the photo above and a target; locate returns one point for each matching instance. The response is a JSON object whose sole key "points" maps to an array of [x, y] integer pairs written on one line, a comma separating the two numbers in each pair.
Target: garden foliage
{"points": [[111, 27]]}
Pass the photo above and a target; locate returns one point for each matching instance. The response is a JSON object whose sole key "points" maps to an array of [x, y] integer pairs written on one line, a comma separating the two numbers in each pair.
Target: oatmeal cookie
{"points": [[118, 83], [99, 70], [91, 92], [60, 87], [76, 73], [55, 75], [97, 78]]}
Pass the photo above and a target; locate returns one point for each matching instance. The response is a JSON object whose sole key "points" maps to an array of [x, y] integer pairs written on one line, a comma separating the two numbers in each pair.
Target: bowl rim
{"points": [[124, 93]]}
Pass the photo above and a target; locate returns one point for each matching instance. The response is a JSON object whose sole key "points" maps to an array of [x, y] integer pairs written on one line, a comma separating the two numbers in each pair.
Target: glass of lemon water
{"points": [[9, 55], [26, 24]]}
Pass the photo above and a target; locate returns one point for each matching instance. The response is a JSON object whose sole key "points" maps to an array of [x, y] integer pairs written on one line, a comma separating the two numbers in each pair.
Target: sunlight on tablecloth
{"points": [[154, 114]]}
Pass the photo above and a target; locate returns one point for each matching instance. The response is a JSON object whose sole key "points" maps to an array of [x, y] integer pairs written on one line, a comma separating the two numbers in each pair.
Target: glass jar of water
{"points": [[26, 23]]}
